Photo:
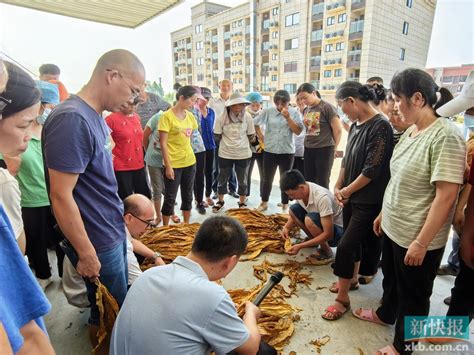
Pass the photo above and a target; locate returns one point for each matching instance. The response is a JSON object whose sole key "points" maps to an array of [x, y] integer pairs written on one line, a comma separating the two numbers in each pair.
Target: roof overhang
{"points": [[124, 13]]}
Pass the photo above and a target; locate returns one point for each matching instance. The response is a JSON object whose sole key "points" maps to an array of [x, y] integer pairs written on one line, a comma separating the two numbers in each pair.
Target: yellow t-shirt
{"points": [[179, 138]]}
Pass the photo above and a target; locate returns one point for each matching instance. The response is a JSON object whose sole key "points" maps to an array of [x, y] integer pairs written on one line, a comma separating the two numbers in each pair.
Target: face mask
{"points": [[41, 119]]}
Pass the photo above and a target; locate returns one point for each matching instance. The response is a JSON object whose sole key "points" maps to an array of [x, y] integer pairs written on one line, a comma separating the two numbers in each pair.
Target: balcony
{"points": [[316, 37], [318, 12], [265, 46], [336, 6], [227, 54], [357, 5], [353, 78], [226, 36], [356, 30], [315, 63], [214, 39], [353, 61], [265, 26]]}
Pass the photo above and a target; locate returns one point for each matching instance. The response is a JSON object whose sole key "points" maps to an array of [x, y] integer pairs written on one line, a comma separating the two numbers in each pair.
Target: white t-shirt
{"points": [[235, 143], [133, 267], [322, 201], [10, 198]]}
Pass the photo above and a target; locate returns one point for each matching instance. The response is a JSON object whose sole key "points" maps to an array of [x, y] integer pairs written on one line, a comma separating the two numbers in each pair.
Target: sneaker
{"points": [[201, 209], [447, 269], [234, 194], [262, 207], [44, 283]]}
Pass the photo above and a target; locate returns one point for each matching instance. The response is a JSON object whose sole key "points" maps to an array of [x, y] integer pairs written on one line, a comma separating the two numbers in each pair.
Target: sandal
{"points": [[175, 219], [335, 287], [388, 350], [367, 314], [242, 205], [218, 206], [335, 313], [319, 257], [365, 280], [209, 201]]}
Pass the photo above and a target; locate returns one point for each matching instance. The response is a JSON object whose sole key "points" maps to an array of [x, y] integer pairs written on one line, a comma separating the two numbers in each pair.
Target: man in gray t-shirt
{"points": [[179, 309]]}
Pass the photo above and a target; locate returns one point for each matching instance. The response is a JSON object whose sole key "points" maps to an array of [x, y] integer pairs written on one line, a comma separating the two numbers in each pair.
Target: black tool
{"points": [[274, 280]]}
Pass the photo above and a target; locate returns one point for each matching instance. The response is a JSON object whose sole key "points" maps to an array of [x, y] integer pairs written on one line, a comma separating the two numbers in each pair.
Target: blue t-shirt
{"points": [[153, 155], [207, 129], [74, 141], [21, 297]]}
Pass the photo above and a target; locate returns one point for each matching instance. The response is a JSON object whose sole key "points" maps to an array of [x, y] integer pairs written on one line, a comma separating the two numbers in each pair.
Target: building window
{"points": [[198, 28], [292, 19], [337, 72], [291, 88], [327, 73], [240, 23], [240, 81], [402, 54], [199, 61], [200, 77], [275, 34], [241, 43], [328, 48], [274, 78], [405, 28], [340, 46], [290, 67], [410, 3], [330, 21], [291, 43], [199, 45], [341, 18], [274, 56], [275, 11]]}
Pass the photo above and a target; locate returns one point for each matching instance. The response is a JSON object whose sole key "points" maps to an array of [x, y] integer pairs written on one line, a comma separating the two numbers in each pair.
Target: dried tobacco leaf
{"points": [[320, 342], [108, 309]]}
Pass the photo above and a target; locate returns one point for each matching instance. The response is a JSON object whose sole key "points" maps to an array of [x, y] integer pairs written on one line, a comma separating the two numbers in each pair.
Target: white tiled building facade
{"points": [[266, 45]]}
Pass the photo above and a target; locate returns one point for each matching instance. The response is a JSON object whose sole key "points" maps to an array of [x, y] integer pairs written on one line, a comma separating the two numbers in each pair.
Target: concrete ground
{"points": [[67, 325]]}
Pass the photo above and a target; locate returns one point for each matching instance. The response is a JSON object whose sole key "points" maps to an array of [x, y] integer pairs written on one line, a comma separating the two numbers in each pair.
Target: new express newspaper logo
{"points": [[436, 329]]}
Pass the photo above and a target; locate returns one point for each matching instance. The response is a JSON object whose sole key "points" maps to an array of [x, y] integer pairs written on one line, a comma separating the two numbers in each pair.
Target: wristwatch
{"points": [[156, 255]]}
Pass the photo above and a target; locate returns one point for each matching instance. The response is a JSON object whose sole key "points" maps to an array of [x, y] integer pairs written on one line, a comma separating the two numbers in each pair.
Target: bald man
{"points": [[80, 176]]}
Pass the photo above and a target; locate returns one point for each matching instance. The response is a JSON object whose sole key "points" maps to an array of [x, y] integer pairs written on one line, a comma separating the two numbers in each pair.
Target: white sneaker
{"points": [[44, 283], [262, 207]]}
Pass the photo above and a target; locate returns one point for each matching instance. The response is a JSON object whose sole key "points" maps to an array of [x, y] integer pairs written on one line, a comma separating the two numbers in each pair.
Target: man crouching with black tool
{"points": [[179, 309]]}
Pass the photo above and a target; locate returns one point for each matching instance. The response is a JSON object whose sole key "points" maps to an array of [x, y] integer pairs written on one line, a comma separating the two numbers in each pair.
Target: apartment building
{"points": [[452, 78], [267, 45]]}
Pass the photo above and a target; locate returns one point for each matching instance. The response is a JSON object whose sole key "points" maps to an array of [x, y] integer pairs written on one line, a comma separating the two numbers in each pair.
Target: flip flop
{"points": [[319, 257], [336, 314], [218, 206], [335, 287], [367, 314]]}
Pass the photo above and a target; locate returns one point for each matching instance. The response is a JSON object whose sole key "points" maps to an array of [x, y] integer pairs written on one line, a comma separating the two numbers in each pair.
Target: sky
{"points": [[33, 38]]}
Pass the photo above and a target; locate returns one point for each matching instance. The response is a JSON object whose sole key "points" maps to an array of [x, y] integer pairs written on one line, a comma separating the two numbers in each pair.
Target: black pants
{"points": [[132, 182], [199, 177], [298, 164], [232, 179], [358, 226], [263, 349], [271, 161], [183, 178], [462, 294], [406, 289], [318, 164], [39, 232], [370, 255], [256, 157], [226, 167], [209, 170]]}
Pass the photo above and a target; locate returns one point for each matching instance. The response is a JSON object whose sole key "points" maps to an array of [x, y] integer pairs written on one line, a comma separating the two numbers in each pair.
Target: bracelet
{"points": [[156, 256], [420, 244]]}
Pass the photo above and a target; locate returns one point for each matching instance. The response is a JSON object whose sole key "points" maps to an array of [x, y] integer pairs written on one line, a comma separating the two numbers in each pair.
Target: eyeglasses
{"points": [[341, 101], [149, 223], [135, 92], [3, 103]]}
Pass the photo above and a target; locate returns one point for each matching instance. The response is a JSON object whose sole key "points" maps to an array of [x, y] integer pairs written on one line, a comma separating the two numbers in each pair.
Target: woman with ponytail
{"points": [[426, 171], [359, 189]]}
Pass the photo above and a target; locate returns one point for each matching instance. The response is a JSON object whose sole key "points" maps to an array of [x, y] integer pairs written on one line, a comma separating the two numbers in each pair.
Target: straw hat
{"points": [[235, 99]]}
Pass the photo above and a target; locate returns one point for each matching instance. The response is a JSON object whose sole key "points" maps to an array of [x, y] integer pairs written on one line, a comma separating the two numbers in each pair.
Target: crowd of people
{"points": [[87, 174]]}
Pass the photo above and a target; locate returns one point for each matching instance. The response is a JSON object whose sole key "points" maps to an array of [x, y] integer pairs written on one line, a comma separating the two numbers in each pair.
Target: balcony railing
{"points": [[357, 26], [266, 24], [265, 46], [315, 61], [357, 4], [214, 39], [315, 83], [316, 35], [318, 8]]}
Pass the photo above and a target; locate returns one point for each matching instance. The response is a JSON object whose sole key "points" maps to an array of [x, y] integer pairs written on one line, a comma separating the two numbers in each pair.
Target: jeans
{"points": [[271, 161], [209, 170], [199, 177], [453, 258], [113, 275], [318, 164], [184, 178], [226, 167]]}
